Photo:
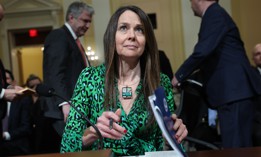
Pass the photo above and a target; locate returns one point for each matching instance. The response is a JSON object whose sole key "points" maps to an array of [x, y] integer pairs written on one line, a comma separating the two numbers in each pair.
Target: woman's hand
{"points": [[108, 125], [180, 128]]}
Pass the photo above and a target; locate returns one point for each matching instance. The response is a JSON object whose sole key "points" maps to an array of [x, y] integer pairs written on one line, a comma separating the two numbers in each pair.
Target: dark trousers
{"points": [[257, 123], [257, 134], [236, 122], [45, 139]]}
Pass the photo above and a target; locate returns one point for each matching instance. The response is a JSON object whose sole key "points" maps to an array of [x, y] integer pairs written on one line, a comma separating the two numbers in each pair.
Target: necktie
{"points": [[85, 58]]}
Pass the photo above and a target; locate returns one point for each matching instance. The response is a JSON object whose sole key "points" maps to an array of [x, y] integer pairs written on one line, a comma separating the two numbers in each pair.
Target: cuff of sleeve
{"points": [[2, 93], [7, 136], [63, 103]]}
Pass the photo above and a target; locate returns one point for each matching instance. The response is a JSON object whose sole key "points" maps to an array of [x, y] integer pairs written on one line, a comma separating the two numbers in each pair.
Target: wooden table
{"points": [[98, 153], [239, 152]]}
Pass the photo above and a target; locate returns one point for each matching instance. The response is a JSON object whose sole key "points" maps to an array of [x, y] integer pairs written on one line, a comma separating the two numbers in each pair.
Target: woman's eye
{"points": [[123, 28], [140, 30]]}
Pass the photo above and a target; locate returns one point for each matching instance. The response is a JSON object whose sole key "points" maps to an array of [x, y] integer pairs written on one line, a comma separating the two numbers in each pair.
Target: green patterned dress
{"points": [[88, 97]]}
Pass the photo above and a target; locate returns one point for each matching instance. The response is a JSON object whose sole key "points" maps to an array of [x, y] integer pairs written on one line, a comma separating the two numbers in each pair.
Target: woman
{"points": [[130, 74]]}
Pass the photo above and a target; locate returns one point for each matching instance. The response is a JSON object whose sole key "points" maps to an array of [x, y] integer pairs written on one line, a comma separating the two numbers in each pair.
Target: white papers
{"points": [[158, 154], [163, 117], [162, 154]]}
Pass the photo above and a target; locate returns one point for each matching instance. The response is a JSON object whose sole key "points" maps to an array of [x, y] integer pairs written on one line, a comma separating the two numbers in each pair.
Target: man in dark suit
{"points": [[257, 116], [230, 83], [64, 60], [16, 134]]}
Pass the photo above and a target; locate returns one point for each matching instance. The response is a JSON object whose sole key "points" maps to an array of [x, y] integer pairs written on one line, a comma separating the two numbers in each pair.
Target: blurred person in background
{"points": [[256, 56], [229, 82], [16, 124], [63, 60]]}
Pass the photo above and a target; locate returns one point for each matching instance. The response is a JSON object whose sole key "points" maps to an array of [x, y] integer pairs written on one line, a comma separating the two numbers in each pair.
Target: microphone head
{"points": [[44, 90]]}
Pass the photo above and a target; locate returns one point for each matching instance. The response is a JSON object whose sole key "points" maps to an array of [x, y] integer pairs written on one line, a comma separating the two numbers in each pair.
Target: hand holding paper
{"points": [[171, 131], [181, 130], [26, 91], [14, 92]]}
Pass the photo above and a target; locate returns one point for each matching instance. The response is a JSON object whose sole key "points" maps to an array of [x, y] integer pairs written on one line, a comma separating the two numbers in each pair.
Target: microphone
{"points": [[44, 90]]}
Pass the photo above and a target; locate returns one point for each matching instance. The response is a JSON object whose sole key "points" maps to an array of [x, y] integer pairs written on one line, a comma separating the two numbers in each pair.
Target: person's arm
{"points": [[166, 84], [55, 63], [11, 94], [75, 125], [213, 29], [179, 127], [2, 93], [66, 109]]}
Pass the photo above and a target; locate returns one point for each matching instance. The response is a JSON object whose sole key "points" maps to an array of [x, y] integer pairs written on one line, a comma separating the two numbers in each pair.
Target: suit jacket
{"points": [[62, 64], [3, 84], [220, 54], [19, 128], [257, 115]]}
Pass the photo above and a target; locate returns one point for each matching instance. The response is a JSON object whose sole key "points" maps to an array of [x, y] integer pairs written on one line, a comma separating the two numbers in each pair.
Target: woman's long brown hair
{"points": [[149, 61]]}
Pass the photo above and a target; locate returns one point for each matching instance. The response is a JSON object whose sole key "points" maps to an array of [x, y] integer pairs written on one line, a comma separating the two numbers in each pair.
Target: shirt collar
{"points": [[259, 69], [71, 31]]}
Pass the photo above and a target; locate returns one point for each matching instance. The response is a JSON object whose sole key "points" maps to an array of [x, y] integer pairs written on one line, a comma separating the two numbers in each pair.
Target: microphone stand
{"points": [[100, 143]]}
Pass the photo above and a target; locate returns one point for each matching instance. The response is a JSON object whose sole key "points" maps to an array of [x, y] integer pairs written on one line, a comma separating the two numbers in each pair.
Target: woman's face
{"points": [[130, 38], [33, 83]]}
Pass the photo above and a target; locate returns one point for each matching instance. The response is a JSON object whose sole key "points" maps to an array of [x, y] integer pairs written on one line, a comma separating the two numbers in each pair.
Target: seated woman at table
{"points": [[122, 84]]}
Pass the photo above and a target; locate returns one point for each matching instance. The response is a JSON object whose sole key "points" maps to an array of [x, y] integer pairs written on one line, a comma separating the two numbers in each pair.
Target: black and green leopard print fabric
{"points": [[88, 97]]}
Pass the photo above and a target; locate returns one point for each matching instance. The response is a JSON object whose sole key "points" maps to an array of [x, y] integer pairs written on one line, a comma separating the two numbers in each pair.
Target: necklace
{"points": [[127, 102], [126, 92]]}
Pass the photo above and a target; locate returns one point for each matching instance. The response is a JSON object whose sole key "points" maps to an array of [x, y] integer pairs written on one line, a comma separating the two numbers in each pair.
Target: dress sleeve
{"points": [[76, 124], [166, 84]]}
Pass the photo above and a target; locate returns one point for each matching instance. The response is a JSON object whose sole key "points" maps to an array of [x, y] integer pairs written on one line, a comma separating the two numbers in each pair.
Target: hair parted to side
{"points": [[76, 8], [149, 61]]}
